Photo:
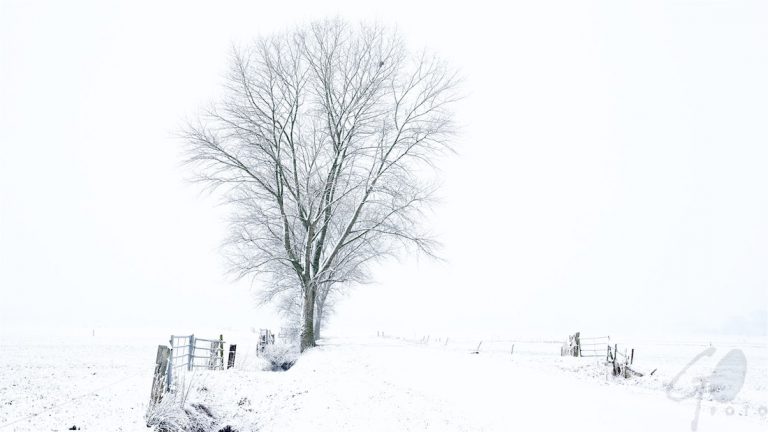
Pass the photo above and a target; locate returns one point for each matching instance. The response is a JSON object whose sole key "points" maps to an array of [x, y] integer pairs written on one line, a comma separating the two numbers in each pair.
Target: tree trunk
{"points": [[318, 320], [308, 326]]}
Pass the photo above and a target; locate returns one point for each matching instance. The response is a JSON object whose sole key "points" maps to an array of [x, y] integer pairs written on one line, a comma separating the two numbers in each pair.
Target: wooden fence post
{"points": [[160, 380], [190, 352], [577, 339], [231, 359], [221, 352]]}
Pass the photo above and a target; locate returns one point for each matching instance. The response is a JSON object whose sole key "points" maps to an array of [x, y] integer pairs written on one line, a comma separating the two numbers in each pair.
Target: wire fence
{"points": [[577, 346], [471, 345]]}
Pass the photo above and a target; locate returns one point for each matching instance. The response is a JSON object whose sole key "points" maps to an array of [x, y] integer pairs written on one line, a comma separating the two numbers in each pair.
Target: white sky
{"points": [[611, 174]]}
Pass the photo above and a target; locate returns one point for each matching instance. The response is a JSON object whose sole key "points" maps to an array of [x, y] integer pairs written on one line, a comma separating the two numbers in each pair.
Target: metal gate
{"points": [[594, 346], [189, 352]]}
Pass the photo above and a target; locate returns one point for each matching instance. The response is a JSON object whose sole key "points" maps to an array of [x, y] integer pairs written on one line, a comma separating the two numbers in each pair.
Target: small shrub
{"points": [[280, 357], [170, 415]]}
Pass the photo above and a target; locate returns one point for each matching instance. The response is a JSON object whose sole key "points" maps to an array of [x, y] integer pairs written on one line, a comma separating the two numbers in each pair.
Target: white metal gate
{"points": [[189, 352]]}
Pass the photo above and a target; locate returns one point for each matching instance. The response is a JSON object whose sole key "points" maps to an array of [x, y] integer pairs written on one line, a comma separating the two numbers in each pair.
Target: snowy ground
{"points": [[375, 384], [52, 385]]}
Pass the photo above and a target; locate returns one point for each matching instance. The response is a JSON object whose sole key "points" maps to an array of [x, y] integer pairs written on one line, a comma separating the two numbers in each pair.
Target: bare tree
{"points": [[321, 143]]}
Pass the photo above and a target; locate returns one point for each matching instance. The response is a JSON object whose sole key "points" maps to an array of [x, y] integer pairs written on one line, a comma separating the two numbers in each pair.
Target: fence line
{"points": [[471, 345], [577, 346]]}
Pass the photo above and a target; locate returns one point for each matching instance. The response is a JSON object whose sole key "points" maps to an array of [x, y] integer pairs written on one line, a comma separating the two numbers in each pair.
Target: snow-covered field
{"points": [[103, 383]]}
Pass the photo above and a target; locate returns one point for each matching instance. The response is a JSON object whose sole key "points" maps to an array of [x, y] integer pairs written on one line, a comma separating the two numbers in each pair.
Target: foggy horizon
{"points": [[609, 176]]}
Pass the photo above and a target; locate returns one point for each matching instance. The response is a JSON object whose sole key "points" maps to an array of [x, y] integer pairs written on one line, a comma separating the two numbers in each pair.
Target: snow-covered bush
{"points": [[280, 357], [169, 415], [172, 414]]}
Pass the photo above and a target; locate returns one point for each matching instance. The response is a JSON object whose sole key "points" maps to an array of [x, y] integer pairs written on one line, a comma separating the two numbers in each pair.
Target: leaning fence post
{"points": [[161, 377]]}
